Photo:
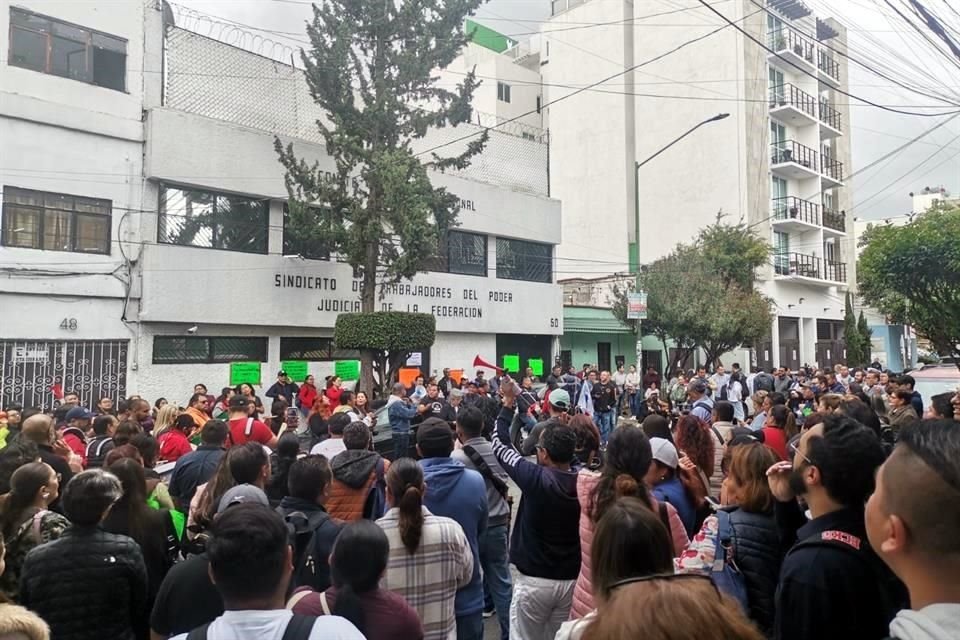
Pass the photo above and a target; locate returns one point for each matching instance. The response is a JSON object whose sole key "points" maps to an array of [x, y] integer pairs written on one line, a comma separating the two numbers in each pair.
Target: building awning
{"points": [[591, 320]]}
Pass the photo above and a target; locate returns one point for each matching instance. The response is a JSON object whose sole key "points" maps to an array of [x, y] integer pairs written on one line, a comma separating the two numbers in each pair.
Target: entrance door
{"points": [[36, 373], [603, 356]]}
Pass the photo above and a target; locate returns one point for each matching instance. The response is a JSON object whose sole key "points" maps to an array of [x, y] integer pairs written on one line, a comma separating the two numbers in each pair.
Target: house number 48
{"points": [[69, 324]]}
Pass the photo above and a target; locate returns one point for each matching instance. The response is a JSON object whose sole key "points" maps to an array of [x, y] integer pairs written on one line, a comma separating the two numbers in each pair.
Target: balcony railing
{"points": [[835, 271], [794, 208], [793, 151], [788, 94], [829, 115], [832, 168], [799, 264], [828, 65], [783, 40], [834, 220]]}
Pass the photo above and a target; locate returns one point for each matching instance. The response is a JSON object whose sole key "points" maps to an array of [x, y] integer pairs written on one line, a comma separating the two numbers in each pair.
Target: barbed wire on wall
{"points": [[234, 35]]}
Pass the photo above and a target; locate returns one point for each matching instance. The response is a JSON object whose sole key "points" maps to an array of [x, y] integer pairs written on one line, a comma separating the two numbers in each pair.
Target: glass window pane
{"points": [[28, 49], [26, 19], [21, 227], [171, 349], [93, 234], [68, 58], [521, 260], [12, 195], [238, 349], [109, 69], [58, 201], [90, 205], [57, 230], [467, 253], [205, 219], [103, 41]]}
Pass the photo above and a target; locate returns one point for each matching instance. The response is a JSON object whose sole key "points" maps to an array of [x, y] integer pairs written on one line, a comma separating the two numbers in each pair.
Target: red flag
{"points": [[57, 391]]}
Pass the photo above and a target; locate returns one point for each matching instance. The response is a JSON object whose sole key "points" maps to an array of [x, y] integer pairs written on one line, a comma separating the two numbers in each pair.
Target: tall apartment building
{"points": [[778, 162], [144, 245]]}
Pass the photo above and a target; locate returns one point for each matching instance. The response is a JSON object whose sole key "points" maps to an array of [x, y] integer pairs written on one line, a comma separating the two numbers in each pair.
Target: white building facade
{"points": [[167, 181], [777, 162]]}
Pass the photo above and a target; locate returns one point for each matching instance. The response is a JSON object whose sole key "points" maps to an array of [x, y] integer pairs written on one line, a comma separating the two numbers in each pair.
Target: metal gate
{"points": [[36, 373]]}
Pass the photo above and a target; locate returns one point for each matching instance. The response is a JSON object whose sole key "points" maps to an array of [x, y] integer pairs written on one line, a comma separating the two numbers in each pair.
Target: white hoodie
{"points": [[934, 622]]}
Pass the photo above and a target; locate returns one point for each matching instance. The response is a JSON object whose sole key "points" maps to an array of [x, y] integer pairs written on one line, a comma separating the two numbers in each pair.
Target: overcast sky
{"points": [[880, 192]]}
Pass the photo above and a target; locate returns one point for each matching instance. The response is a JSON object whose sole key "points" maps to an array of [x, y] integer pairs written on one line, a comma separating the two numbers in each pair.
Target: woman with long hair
{"points": [[174, 440], [756, 546], [152, 529], [221, 406], [588, 441], [669, 607], [288, 448], [307, 394], [426, 579], [333, 390], [775, 430], [247, 463], [166, 417], [667, 486], [16, 622], [25, 520], [245, 389], [697, 440], [361, 404], [626, 462], [315, 430], [630, 542], [358, 560]]}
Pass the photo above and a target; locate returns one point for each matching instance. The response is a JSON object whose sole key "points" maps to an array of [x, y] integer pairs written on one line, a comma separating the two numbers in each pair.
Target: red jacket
{"points": [[305, 397], [333, 393], [76, 440], [173, 444]]}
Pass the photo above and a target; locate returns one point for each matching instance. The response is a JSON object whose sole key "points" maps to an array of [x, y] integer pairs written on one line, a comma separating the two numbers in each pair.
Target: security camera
{"points": [[192, 330]]}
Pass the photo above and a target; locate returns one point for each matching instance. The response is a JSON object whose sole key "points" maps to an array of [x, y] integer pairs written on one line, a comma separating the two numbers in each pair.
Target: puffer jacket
{"points": [[17, 623], [354, 472], [87, 585], [583, 601], [757, 553]]}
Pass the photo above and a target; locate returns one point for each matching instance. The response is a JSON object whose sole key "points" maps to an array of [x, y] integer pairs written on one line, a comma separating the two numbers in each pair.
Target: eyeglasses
{"points": [[794, 451], [666, 577]]}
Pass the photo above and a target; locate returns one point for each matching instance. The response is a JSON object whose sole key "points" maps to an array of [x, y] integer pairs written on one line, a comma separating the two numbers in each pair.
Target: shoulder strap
{"points": [[37, 521], [200, 633], [379, 470], [324, 604], [487, 472], [297, 597], [247, 430], [716, 432], [299, 627], [665, 519]]}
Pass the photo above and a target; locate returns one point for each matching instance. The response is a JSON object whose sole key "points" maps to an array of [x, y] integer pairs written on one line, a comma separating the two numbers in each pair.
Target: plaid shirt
{"points": [[429, 578]]}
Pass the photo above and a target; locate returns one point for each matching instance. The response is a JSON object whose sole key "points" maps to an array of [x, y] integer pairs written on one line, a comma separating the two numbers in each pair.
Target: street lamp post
{"points": [[636, 199]]}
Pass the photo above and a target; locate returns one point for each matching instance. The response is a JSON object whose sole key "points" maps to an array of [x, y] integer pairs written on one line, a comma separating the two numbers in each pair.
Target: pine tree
{"points": [[372, 68], [865, 339]]}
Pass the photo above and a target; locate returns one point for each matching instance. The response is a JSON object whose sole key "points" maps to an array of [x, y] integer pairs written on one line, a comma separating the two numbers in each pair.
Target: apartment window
{"points": [[195, 218], [197, 349], [314, 350], [778, 133], [50, 46], [55, 221], [781, 252], [522, 260], [778, 188], [527, 136], [299, 244], [461, 252], [503, 92]]}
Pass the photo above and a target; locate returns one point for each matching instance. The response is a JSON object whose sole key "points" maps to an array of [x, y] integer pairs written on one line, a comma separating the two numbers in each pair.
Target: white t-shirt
{"points": [[270, 625], [329, 448]]}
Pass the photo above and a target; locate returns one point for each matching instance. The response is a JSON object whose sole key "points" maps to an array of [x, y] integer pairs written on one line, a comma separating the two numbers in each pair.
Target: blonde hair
{"points": [[166, 416]]}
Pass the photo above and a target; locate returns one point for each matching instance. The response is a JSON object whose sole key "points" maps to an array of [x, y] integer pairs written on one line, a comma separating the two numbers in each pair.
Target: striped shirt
{"points": [[429, 578]]}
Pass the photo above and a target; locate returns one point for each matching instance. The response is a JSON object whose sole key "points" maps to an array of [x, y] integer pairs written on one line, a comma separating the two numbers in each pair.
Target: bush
{"points": [[385, 331]]}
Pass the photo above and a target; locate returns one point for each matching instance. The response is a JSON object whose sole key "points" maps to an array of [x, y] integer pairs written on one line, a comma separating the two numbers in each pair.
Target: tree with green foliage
{"points": [[911, 273], [389, 337], [371, 67], [866, 335], [703, 295], [851, 335]]}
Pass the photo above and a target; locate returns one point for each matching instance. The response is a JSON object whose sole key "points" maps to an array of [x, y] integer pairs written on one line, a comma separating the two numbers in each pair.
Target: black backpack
{"points": [[298, 628], [304, 529]]}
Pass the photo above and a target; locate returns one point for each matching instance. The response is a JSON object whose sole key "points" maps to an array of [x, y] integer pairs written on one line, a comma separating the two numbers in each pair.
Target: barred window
{"points": [[195, 218], [460, 252], [187, 349], [55, 221], [62, 49], [522, 260], [314, 350]]}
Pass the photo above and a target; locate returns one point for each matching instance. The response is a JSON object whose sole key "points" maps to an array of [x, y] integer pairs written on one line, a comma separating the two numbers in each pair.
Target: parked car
{"points": [[936, 378]]}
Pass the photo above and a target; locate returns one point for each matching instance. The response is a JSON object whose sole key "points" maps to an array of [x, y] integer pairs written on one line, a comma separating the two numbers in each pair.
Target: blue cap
{"points": [[78, 413]]}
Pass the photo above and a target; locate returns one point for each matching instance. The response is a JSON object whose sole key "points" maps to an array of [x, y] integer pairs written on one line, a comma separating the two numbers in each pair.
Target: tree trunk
{"points": [[368, 303]]}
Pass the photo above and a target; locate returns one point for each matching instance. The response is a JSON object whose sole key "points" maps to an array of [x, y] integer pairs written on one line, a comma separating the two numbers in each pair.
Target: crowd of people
{"points": [[806, 505]]}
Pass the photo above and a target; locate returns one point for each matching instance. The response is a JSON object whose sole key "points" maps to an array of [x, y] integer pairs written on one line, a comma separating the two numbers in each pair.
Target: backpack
{"points": [[723, 393], [304, 531], [376, 503], [94, 453], [298, 628], [247, 430], [725, 574]]}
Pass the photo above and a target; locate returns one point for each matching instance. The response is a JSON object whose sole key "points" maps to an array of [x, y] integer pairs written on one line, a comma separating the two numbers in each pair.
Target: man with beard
{"points": [[832, 584]]}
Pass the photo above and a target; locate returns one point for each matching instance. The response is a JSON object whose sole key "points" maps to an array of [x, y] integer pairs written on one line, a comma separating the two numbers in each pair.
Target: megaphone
{"points": [[480, 362]]}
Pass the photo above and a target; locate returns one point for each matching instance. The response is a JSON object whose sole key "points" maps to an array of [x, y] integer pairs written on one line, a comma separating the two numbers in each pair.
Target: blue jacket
{"points": [[672, 491], [458, 493], [400, 414]]}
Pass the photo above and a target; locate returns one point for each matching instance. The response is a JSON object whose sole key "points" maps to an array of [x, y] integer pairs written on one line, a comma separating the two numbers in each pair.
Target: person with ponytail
{"points": [[429, 558], [357, 563], [25, 521], [626, 462]]}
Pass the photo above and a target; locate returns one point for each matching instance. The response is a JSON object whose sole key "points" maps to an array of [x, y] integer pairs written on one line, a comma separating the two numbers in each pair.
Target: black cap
{"points": [[434, 431], [239, 402]]}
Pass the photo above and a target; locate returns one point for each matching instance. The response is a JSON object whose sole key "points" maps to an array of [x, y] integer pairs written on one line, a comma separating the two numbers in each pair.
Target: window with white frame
{"points": [[55, 221], [503, 92]]}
